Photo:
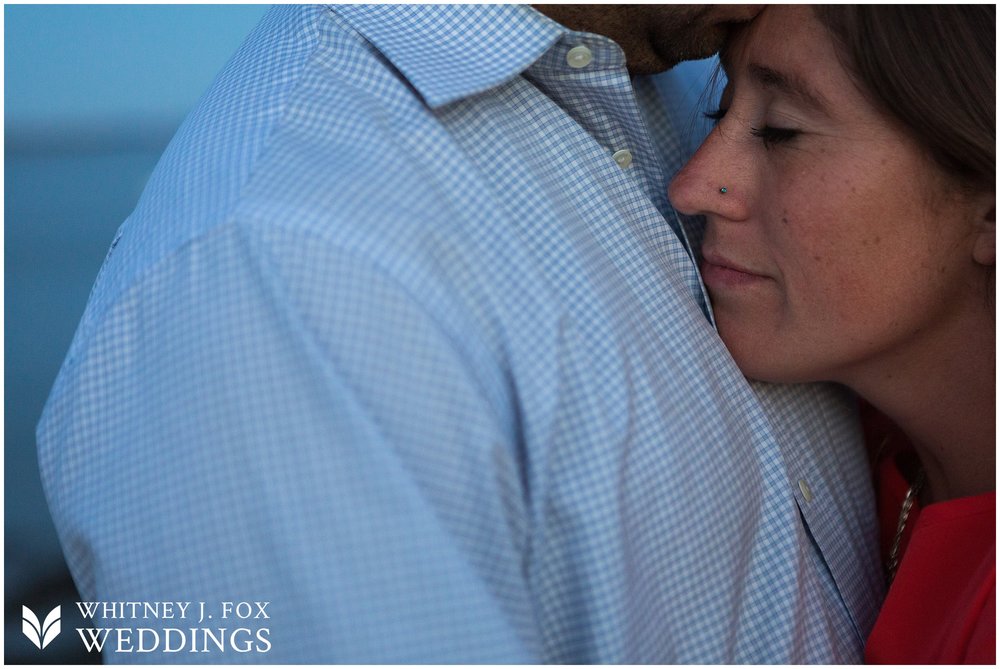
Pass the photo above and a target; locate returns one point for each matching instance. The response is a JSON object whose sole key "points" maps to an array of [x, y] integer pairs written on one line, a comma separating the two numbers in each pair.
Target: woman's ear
{"points": [[984, 251]]}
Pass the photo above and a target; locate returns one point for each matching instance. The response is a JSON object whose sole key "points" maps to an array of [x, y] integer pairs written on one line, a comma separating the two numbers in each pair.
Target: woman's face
{"points": [[837, 243]]}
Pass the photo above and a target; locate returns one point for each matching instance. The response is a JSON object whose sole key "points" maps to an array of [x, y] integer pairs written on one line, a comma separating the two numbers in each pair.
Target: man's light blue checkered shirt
{"points": [[393, 342]]}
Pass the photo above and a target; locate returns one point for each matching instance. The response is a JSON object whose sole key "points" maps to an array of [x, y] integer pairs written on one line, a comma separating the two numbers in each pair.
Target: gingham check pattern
{"points": [[392, 342]]}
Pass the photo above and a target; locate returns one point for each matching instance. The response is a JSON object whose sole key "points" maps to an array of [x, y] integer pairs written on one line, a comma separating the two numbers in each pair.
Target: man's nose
{"points": [[713, 182]]}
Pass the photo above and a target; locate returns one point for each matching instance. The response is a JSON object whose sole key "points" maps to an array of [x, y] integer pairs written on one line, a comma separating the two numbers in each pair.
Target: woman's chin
{"points": [[772, 364]]}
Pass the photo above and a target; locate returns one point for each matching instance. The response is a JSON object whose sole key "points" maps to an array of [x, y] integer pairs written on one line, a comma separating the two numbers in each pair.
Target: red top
{"points": [[941, 608]]}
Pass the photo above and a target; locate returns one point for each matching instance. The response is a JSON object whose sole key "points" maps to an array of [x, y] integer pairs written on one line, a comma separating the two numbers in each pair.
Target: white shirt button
{"points": [[579, 56], [623, 158], [806, 492]]}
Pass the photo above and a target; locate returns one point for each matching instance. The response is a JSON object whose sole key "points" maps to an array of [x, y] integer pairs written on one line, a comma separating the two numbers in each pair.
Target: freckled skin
{"points": [[836, 298], [864, 263]]}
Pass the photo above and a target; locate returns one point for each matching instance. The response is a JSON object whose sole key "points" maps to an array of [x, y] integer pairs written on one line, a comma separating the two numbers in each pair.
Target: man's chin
{"points": [[707, 45]]}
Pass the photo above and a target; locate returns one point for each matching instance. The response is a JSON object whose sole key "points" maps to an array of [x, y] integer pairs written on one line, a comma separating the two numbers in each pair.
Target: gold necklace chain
{"points": [[904, 513]]}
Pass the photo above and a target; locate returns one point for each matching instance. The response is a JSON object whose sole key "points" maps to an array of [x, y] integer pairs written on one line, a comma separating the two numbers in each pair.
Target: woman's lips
{"points": [[719, 272]]}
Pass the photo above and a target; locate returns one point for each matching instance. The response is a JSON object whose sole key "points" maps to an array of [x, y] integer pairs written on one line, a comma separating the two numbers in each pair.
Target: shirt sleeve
{"points": [[267, 417]]}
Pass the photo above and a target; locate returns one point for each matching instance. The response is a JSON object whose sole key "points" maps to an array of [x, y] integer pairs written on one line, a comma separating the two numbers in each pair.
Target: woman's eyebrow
{"points": [[789, 84]]}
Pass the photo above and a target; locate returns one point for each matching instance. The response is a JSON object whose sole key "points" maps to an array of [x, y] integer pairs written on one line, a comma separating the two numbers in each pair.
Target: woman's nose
{"points": [[713, 182]]}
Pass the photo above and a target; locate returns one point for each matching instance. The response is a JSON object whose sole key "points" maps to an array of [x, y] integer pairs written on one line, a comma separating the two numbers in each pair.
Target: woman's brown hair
{"points": [[933, 67]]}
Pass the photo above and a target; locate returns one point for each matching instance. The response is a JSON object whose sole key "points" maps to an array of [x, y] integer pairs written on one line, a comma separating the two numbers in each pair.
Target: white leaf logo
{"points": [[41, 635]]}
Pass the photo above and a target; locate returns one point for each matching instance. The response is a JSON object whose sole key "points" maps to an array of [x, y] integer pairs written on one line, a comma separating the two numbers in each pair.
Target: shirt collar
{"points": [[448, 52]]}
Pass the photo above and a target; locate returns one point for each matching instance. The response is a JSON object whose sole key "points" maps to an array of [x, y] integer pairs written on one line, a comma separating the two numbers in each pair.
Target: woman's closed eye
{"points": [[769, 135]]}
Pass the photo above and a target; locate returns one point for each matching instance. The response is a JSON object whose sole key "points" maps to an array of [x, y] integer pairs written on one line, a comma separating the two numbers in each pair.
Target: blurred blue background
{"points": [[92, 95]]}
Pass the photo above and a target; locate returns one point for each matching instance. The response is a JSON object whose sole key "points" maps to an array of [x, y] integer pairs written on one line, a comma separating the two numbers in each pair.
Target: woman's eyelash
{"points": [[768, 135], [771, 136], [716, 115]]}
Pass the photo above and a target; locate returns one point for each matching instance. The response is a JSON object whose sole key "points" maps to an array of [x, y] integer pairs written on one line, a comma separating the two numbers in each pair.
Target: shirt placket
{"points": [[586, 76]]}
